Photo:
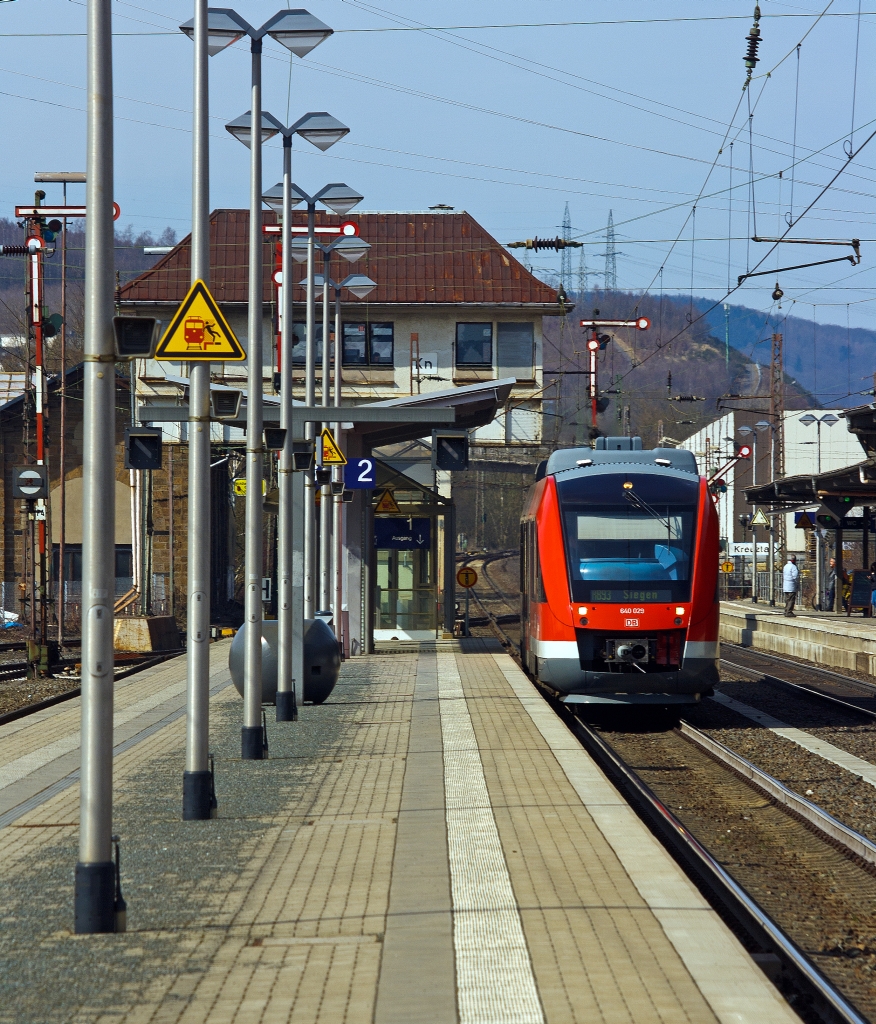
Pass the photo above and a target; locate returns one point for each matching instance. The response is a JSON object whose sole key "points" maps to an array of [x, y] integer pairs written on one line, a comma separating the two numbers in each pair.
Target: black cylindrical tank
{"points": [[322, 660]]}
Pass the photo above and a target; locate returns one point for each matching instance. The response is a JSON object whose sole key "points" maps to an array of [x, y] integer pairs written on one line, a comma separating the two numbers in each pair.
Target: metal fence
{"points": [[11, 602]]}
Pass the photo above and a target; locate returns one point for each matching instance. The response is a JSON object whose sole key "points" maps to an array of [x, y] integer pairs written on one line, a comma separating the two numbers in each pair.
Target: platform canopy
{"points": [[854, 485], [473, 405], [861, 421]]}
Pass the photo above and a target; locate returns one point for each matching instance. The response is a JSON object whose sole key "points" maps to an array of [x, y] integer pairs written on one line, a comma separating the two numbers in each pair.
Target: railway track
{"points": [[494, 622], [768, 874], [818, 683], [23, 710]]}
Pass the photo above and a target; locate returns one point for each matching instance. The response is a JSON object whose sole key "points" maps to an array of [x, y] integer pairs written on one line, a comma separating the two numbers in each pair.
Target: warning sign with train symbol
{"points": [[199, 331]]}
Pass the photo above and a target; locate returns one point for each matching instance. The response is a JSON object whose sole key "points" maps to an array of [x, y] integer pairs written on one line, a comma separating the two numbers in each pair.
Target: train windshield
{"points": [[629, 537]]}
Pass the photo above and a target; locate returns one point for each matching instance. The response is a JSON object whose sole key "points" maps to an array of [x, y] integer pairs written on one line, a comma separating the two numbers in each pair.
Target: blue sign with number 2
{"points": [[359, 475]]}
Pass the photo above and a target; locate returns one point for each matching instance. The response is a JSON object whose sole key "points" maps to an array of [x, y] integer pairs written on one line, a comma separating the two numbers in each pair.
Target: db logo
{"points": [[631, 622]]}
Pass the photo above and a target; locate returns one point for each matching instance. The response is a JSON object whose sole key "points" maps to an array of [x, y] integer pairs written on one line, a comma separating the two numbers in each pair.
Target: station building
{"points": [[455, 319], [810, 448]]}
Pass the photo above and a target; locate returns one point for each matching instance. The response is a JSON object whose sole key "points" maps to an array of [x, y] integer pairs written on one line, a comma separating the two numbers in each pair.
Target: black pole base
{"points": [[198, 801], [252, 743], [287, 710], [94, 898]]}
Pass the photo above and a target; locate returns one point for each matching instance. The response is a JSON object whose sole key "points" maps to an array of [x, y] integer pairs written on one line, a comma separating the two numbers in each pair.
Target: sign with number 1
{"points": [[359, 475]]}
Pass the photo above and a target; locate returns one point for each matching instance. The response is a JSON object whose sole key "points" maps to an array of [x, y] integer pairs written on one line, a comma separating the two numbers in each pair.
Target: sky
{"points": [[508, 109]]}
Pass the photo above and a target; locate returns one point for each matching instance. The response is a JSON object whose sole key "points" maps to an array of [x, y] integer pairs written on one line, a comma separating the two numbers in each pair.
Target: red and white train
{"points": [[619, 576]]}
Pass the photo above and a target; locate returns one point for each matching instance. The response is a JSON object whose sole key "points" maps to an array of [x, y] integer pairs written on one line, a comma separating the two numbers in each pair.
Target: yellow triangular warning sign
{"points": [[199, 332], [331, 454], [804, 522], [387, 505], [759, 519]]}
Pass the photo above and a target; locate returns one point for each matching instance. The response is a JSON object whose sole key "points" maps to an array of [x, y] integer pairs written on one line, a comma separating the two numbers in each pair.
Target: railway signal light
{"points": [[142, 448], [50, 229], [52, 324], [450, 449], [136, 337]]}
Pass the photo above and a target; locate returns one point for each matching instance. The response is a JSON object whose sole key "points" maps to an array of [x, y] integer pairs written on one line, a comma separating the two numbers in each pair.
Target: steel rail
{"points": [[835, 831], [722, 891], [851, 680], [59, 698], [808, 690]]}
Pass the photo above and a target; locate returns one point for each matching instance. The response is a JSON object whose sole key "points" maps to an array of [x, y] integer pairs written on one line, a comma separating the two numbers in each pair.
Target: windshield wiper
{"points": [[642, 506]]}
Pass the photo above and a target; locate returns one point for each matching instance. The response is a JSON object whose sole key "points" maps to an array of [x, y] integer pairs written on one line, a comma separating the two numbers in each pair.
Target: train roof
{"points": [[578, 458]]}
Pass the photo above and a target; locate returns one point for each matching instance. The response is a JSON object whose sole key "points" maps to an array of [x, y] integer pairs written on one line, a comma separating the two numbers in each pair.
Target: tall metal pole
{"points": [[94, 881], [252, 745], [286, 704], [309, 400], [62, 428], [338, 524], [325, 504], [197, 779]]}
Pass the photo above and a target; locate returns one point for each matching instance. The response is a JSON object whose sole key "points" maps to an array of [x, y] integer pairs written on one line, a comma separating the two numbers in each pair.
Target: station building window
{"points": [[474, 345], [368, 344]]}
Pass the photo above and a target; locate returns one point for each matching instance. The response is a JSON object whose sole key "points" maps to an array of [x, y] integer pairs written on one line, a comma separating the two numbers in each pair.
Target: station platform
{"points": [[829, 639], [429, 845]]}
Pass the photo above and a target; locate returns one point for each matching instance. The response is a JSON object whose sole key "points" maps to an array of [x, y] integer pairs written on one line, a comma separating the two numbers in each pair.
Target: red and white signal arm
{"points": [[643, 323], [593, 344], [60, 211], [744, 451], [349, 228]]}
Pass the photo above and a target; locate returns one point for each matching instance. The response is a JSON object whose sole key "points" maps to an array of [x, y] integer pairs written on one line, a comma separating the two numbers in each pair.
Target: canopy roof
{"points": [[857, 483]]}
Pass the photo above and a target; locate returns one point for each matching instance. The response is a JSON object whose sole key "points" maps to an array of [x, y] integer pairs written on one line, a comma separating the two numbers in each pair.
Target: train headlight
{"points": [[679, 611]]}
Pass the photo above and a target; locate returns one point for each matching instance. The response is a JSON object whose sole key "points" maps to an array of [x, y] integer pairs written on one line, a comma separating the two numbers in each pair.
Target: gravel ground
{"points": [[18, 693], [839, 792], [169, 867], [819, 896]]}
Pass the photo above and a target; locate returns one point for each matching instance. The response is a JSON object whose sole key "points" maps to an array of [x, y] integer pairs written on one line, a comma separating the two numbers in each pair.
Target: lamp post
{"points": [[300, 32], [323, 131], [340, 199], [746, 432], [808, 420], [211, 32], [331, 512], [94, 891], [763, 425]]}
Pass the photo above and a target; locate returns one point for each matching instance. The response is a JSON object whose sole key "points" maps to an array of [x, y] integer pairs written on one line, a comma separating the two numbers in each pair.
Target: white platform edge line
{"points": [[59, 785], [823, 748], [736, 989], [494, 979]]}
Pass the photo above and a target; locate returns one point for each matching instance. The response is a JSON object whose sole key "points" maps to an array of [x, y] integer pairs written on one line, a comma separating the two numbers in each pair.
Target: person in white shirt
{"points": [[790, 577]]}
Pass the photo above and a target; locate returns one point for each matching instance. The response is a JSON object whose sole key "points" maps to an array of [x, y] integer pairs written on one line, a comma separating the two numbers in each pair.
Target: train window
{"points": [[633, 545]]}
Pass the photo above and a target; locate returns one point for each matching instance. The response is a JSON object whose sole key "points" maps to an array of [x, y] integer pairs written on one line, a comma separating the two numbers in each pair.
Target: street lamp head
{"points": [[762, 425], [320, 129], [745, 431], [298, 30], [241, 128], [224, 27], [273, 197], [830, 419], [318, 280], [359, 285], [351, 247], [339, 198], [298, 250], [808, 419]]}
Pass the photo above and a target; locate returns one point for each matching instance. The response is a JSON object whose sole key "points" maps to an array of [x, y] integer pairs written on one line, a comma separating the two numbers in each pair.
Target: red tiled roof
{"points": [[414, 257]]}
